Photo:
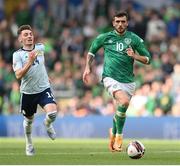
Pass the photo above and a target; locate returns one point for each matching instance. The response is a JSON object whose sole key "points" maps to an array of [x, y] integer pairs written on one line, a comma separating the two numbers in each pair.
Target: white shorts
{"points": [[112, 85]]}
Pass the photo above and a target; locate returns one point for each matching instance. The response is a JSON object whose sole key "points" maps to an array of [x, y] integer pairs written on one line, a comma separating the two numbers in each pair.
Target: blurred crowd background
{"points": [[67, 27]]}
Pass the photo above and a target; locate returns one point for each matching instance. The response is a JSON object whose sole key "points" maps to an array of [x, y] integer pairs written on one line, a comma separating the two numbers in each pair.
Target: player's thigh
{"points": [[47, 101], [28, 105], [121, 97], [121, 92], [50, 107]]}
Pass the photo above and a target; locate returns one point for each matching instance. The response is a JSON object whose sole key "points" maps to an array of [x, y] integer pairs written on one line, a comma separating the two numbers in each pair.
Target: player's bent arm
{"points": [[142, 59], [143, 55], [21, 72]]}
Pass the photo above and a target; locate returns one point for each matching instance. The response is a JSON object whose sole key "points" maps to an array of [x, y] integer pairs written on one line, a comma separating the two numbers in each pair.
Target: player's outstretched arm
{"points": [[87, 70], [21, 72]]}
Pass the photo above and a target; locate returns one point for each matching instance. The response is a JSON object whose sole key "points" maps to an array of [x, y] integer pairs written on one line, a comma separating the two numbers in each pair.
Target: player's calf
{"points": [[27, 125], [50, 118]]}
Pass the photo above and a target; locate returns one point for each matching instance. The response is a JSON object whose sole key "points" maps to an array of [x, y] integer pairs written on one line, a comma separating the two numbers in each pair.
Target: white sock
{"points": [[27, 124], [50, 117]]}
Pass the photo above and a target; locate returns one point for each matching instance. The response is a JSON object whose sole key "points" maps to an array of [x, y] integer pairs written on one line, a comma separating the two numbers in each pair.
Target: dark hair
{"points": [[121, 14], [23, 27]]}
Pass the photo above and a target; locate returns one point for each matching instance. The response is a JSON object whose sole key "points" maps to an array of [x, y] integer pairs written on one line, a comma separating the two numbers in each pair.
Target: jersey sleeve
{"points": [[97, 44], [41, 47], [17, 63], [140, 48]]}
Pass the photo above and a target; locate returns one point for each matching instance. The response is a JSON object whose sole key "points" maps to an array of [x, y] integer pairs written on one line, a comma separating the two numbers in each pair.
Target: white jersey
{"points": [[36, 79]]}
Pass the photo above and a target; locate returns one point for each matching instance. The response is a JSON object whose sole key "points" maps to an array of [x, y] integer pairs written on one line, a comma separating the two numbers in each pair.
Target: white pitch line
{"points": [[90, 153], [59, 153]]}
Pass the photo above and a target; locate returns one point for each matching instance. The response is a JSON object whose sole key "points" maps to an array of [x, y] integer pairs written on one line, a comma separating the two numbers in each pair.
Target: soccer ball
{"points": [[135, 149]]}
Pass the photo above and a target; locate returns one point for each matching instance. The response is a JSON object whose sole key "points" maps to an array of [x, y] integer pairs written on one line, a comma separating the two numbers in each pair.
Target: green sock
{"points": [[114, 126], [120, 118]]}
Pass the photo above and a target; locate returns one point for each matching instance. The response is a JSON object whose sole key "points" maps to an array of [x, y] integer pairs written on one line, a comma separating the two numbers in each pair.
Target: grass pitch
{"points": [[85, 152]]}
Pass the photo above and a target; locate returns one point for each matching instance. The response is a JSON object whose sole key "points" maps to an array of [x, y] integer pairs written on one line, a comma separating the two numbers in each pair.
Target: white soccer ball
{"points": [[135, 149]]}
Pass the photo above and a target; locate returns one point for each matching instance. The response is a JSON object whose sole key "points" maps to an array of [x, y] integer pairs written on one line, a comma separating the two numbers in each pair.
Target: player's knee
{"points": [[28, 120], [126, 104], [52, 115], [123, 103]]}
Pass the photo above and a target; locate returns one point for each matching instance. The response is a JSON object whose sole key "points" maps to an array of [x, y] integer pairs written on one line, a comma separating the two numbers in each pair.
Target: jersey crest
{"points": [[127, 41]]}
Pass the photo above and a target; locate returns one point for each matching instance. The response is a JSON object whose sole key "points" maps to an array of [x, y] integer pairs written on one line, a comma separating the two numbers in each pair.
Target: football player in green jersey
{"points": [[121, 49]]}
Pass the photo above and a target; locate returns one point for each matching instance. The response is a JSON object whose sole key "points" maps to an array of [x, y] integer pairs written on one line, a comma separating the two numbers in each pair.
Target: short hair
{"points": [[23, 27], [121, 14]]}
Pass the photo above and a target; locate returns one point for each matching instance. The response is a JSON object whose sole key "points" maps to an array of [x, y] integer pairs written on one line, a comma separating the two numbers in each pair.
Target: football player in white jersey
{"points": [[28, 65]]}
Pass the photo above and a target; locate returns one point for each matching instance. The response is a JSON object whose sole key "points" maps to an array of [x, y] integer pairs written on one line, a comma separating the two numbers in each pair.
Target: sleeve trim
{"points": [[91, 54], [147, 60]]}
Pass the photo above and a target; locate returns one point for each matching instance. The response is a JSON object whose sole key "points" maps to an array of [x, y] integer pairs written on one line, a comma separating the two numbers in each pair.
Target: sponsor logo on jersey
{"points": [[127, 41]]}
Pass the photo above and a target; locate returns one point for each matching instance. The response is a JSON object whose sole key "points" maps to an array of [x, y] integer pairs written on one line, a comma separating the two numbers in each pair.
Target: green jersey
{"points": [[117, 64]]}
